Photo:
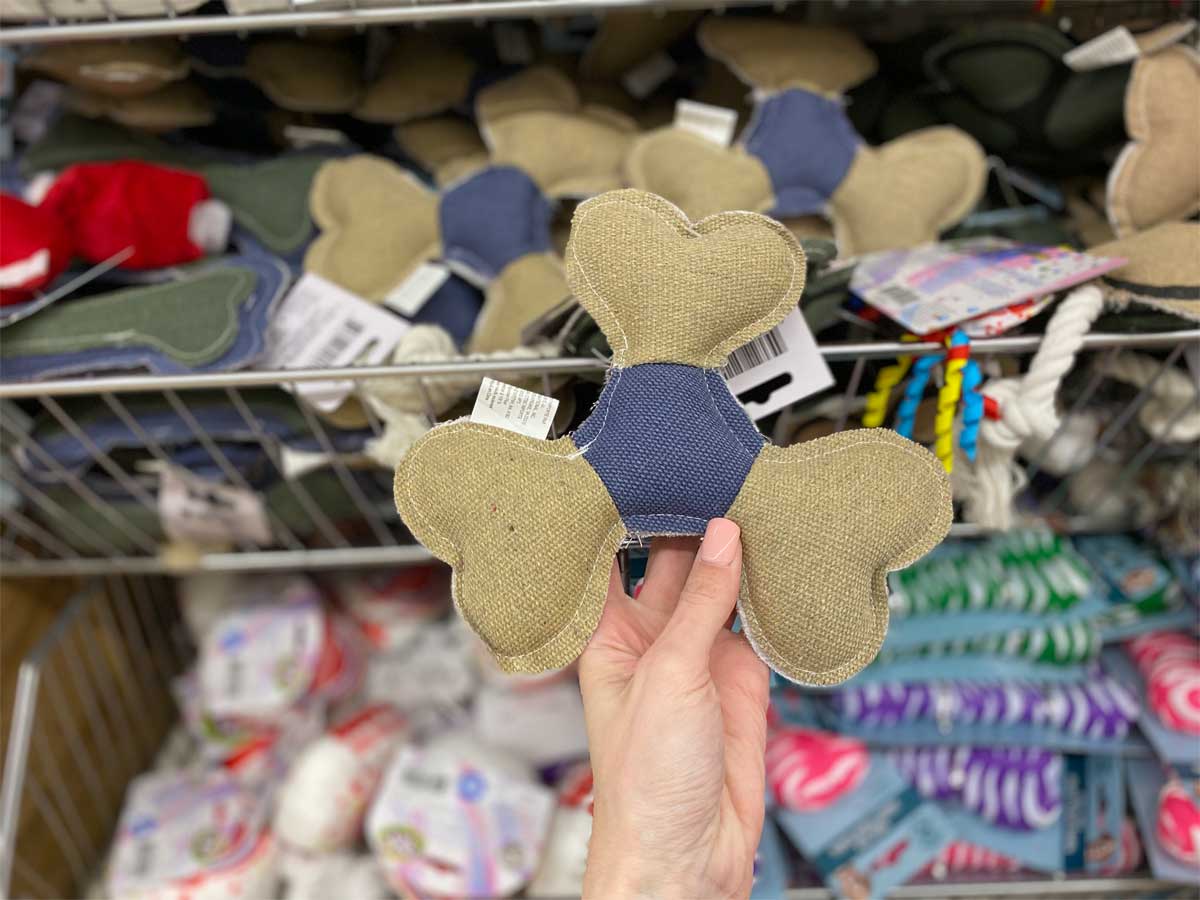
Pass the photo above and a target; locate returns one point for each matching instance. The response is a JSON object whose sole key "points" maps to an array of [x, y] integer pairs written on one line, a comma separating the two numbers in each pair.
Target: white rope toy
{"points": [[1027, 412], [1165, 416]]}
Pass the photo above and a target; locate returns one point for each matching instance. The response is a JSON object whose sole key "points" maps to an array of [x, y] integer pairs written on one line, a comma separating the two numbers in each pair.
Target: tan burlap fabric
{"points": [[111, 68], [1157, 176], [700, 177], [1163, 269], [906, 191], [530, 530], [822, 525], [378, 223], [419, 77], [306, 76], [536, 122], [664, 289], [772, 55], [447, 147], [180, 104], [528, 287], [628, 37]]}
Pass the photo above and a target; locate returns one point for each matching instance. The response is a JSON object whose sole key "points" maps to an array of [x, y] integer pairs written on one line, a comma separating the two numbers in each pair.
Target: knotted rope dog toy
{"points": [[531, 527]]}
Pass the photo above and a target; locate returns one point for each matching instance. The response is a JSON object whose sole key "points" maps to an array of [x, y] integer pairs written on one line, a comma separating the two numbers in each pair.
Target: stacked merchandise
{"points": [[1023, 716]]}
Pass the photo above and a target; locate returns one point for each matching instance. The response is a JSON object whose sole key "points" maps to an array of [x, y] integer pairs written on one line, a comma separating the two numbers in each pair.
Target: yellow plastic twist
{"points": [[947, 404], [881, 392]]}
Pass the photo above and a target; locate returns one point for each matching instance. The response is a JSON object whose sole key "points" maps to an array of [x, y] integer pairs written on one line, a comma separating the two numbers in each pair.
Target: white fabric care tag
{"points": [[644, 78], [514, 409], [713, 123], [320, 325], [1112, 48], [777, 368], [410, 295], [193, 509]]}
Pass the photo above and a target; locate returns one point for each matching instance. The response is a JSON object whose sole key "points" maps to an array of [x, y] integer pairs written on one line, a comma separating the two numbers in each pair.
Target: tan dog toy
{"points": [[800, 155], [1157, 177], [531, 526]]}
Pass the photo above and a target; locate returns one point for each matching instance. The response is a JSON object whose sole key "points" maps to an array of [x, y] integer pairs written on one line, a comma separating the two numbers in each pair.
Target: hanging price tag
{"points": [[778, 368], [193, 509]]}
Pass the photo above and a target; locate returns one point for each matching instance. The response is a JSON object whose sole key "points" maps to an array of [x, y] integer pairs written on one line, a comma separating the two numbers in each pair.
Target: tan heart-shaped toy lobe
{"points": [[531, 526], [306, 76], [536, 122], [447, 147], [181, 104], [419, 77], [773, 55], [111, 68], [1157, 177], [378, 223]]}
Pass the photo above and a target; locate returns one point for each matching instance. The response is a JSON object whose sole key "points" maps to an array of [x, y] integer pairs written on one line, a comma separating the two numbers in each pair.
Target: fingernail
{"points": [[720, 543]]}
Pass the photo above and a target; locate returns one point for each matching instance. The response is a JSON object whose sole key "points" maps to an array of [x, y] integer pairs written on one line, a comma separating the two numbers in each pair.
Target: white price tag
{"points": [[778, 368], [713, 123], [512, 44], [1109, 49], [320, 325], [646, 77], [300, 462], [410, 295], [514, 409], [193, 509]]}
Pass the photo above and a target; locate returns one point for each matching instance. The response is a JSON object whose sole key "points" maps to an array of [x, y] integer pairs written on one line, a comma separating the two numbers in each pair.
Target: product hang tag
{"points": [[713, 123], [647, 76], [193, 509], [514, 409], [777, 368], [320, 325], [1112, 48], [411, 294]]}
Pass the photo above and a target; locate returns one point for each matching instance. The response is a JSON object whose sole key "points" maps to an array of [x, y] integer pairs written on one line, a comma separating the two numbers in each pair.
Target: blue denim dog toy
{"points": [[531, 527]]}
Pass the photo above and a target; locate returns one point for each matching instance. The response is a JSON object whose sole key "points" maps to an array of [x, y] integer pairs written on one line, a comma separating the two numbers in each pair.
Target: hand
{"points": [[676, 715]]}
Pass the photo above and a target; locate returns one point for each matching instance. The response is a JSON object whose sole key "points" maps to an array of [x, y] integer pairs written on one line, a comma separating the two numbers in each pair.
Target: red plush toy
{"points": [[97, 210]]}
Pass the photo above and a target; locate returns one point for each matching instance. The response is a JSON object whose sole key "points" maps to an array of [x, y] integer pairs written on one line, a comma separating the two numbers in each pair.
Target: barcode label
{"points": [[900, 294], [329, 354], [760, 350], [320, 325]]}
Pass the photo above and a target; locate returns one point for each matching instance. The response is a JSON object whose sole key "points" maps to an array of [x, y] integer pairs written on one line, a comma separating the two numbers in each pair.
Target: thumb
{"points": [[710, 593]]}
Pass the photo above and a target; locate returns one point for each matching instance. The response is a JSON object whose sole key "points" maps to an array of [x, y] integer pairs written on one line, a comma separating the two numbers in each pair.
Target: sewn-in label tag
{"points": [[514, 409], [935, 286], [320, 325], [713, 123], [647, 76], [193, 509], [512, 44], [777, 368], [411, 294], [1112, 48]]}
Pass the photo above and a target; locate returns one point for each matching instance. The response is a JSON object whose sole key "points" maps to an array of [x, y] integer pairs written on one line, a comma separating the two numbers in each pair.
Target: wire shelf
{"points": [[94, 512]]}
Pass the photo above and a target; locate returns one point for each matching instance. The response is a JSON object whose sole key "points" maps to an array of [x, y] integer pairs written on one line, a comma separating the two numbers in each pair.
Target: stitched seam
{"points": [[591, 287], [924, 537], [753, 455], [614, 384], [408, 489]]}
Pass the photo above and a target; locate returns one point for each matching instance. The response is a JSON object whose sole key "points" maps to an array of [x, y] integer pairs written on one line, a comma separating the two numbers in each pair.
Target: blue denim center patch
{"points": [[807, 144], [671, 444], [491, 218]]}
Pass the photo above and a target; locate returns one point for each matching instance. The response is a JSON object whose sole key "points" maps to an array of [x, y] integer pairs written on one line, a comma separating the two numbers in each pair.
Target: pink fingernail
{"points": [[720, 543]]}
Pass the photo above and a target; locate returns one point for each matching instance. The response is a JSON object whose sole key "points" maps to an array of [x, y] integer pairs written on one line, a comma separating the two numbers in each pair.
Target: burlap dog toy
{"points": [[800, 154], [531, 527]]}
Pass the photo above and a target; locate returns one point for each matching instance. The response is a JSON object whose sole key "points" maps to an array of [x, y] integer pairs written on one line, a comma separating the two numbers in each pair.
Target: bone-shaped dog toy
{"points": [[531, 527], [800, 154]]}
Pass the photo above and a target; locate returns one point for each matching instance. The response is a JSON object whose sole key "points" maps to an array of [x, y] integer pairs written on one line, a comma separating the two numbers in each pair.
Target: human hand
{"points": [[676, 715]]}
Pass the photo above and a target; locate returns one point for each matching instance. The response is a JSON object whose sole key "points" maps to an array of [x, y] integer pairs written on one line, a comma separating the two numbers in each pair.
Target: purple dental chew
{"points": [[1099, 708], [1017, 788]]}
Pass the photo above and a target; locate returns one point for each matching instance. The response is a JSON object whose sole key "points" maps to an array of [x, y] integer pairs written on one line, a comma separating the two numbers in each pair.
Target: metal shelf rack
{"points": [[40, 521]]}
